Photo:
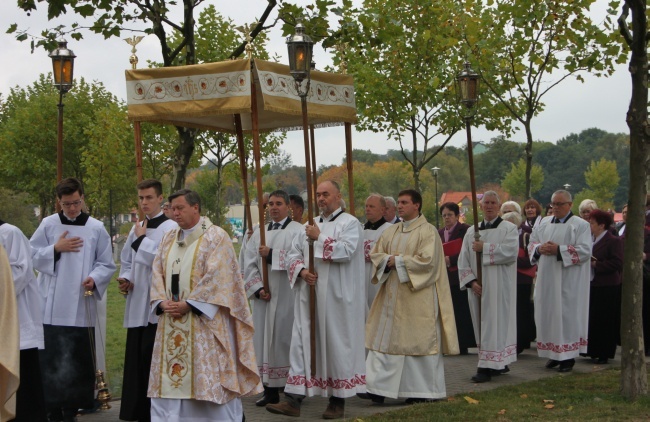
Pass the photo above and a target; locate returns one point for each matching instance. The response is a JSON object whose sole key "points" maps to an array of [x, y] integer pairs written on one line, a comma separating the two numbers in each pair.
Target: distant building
{"points": [[463, 199]]}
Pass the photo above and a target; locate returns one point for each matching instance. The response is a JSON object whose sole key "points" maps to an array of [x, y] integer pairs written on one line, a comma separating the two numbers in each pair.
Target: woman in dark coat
{"points": [[452, 235], [605, 291]]}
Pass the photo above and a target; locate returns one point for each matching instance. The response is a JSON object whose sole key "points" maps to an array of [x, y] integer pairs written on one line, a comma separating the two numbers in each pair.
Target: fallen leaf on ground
{"points": [[502, 412], [570, 408], [470, 400], [524, 396], [549, 401], [549, 406], [451, 398]]}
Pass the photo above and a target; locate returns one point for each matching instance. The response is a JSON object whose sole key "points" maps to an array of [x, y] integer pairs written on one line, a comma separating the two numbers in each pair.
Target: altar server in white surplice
{"points": [[72, 254], [411, 322], [272, 314], [493, 304], [137, 258], [203, 359], [561, 247], [372, 230], [340, 309], [30, 401]]}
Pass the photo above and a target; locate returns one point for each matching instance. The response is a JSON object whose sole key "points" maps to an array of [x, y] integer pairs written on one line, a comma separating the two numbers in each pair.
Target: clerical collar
{"points": [[406, 224], [79, 220], [333, 216], [374, 226], [153, 223], [186, 232], [493, 224], [283, 223], [563, 220]]}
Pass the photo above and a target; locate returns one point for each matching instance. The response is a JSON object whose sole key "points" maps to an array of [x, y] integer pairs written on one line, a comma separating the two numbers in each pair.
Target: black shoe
{"points": [[481, 377], [463, 351], [601, 361], [416, 400], [566, 365], [266, 399], [552, 363], [376, 398], [495, 372]]}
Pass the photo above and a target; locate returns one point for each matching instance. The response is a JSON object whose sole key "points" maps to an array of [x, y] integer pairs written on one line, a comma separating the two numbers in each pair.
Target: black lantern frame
{"points": [[62, 66], [300, 47]]}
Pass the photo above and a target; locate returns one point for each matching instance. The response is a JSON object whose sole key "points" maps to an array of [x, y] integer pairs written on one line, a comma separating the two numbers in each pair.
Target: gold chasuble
{"points": [[196, 357], [10, 346], [402, 320]]}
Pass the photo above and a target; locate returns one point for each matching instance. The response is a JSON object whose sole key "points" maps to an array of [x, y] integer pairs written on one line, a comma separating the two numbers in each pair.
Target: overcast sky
{"points": [[570, 107]]}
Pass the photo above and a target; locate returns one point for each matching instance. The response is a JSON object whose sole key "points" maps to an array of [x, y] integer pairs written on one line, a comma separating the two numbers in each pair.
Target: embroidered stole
{"points": [[178, 334]]}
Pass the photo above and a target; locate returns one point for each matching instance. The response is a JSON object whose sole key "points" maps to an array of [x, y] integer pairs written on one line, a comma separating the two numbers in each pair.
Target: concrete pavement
{"points": [[458, 371]]}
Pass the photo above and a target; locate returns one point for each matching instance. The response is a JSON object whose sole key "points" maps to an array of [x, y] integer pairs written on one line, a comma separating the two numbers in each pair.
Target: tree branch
{"points": [[258, 28], [622, 25]]}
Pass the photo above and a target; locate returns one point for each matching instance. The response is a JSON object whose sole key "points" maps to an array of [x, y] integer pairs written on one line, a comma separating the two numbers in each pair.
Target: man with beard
{"points": [[337, 240]]}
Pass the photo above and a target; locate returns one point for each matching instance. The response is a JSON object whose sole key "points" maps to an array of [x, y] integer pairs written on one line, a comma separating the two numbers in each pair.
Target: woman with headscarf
{"points": [[452, 235], [605, 290]]}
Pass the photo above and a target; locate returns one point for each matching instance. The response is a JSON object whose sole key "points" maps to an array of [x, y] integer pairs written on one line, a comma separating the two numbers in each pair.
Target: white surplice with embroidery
{"points": [[273, 320], [340, 311], [562, 288], [494, 314]]}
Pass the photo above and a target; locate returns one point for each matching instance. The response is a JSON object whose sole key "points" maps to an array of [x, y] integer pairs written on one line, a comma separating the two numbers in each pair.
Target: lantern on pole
{"points": [[300, 47], [467, 82]]}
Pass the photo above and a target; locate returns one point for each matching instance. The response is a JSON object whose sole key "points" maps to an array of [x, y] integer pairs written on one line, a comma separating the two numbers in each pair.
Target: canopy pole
{"points": [[477, 235], [310, 219], [258, 174], [137, 137], [348, 154], [244, 171], [313, 165]]}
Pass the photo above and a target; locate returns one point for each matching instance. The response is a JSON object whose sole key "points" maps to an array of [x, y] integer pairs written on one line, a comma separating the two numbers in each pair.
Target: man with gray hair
{"points": [[510, 206], [492, 300], [561, 247], [391, 210], [372, 230]]}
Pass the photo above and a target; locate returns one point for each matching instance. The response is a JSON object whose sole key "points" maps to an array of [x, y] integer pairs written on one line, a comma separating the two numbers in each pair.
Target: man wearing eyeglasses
{"points": [[72, 253], [561, 247]]}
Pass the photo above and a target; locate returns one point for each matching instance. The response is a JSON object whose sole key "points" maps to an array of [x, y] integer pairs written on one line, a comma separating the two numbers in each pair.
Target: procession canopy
{"points": [[206, 96]]}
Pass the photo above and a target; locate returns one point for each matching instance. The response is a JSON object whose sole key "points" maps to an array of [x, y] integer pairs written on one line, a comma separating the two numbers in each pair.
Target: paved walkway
{"points": [[458, 371]]}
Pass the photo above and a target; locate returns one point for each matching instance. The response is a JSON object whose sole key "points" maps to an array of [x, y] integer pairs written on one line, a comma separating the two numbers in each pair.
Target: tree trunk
{"points": [[529, 156], [218, 214], [182, 156], [633, 367]]}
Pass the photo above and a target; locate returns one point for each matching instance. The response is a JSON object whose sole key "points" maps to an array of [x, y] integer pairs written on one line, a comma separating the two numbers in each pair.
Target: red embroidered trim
{"points": [[532, 246], [328, 249], [367, 247], [575, 259], [496, 356], [283, 259], [491, 252], [274, 373], [252, 282], [292, 269], [339, 384], [559, 348], [465, 273]]}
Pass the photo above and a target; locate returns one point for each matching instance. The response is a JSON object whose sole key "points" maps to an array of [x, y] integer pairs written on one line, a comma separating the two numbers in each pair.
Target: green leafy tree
{"points": [[17, 209], [110, 18], [523, 50], [515, 180], [602, 178], [399, 53]]}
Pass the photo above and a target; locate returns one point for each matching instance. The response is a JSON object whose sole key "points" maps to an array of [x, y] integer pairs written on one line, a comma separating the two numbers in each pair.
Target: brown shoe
{"points": [[283, 408], [334, 411]]}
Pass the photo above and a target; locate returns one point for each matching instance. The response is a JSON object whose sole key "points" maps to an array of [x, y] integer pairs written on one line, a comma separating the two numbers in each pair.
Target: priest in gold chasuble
{"points": [[411, 321], [203, 359]]}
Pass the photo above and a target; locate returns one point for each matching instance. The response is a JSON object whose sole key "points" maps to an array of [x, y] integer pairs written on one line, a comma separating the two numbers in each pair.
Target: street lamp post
{"points": [[435, 175], [467, 81], [300, 48], [62, 68]]}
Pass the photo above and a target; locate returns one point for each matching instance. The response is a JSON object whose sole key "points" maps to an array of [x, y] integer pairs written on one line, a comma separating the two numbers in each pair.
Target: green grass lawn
{"points": [[578, 397]]}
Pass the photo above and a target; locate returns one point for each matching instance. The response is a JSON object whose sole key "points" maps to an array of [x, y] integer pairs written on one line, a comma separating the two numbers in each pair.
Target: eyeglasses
{"points": [[559, 204], [71, 204]]}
